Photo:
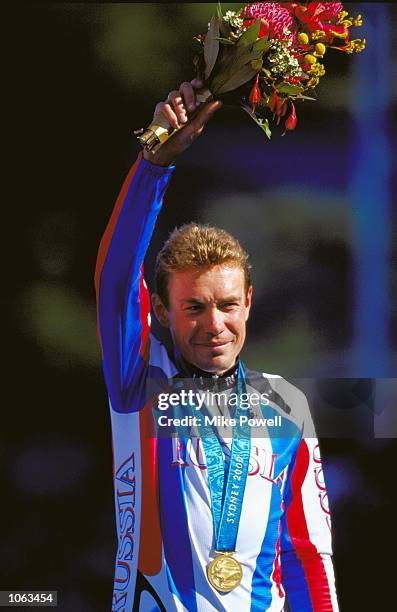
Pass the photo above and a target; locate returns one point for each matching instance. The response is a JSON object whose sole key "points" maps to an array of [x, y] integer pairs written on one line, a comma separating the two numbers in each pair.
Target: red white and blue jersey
{"points": [[162, 497]]}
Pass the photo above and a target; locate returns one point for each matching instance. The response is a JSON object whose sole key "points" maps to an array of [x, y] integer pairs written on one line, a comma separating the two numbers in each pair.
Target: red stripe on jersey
{"points": [[297, 527], [276, 575], [150, 540]]}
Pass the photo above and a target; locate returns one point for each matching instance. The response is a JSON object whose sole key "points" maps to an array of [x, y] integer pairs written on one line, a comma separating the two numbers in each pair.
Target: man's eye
{"points": [[194, 308], [229, 305]]}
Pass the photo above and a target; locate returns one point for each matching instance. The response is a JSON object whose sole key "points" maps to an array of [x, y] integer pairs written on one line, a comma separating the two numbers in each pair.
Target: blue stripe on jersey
{"points": [[261, 596], [288, 428], [174, 526], [292, 572], [261, 580], [283, 448]]}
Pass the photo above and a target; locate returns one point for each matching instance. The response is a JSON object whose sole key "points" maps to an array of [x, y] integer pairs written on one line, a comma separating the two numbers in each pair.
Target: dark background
{"points": [[313, 208]]}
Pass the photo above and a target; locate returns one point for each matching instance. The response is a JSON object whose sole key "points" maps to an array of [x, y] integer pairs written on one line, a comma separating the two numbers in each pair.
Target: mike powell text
{"points": [[218, 421]]}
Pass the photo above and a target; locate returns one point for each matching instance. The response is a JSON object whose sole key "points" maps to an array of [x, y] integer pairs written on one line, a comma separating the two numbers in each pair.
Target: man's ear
{"points": [[160, 310]]}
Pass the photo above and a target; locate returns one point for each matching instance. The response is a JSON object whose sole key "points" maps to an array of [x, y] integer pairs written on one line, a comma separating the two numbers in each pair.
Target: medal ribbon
{"points": [[227, 501]]}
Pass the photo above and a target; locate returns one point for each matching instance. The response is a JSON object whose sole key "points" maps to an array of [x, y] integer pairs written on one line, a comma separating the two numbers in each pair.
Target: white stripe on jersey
{"points": [[255, 514], [126, 453]]}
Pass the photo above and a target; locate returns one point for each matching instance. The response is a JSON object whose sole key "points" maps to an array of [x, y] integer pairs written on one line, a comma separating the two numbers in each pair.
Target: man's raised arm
{"points": [[122, 296]]}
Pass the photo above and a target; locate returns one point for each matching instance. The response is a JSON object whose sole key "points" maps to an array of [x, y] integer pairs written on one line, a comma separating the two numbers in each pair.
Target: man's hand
{"points": [[177, 108]]}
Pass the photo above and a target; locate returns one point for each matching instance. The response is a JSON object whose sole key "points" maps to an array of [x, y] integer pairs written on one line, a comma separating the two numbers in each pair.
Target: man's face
{"points": [[207, 315]]}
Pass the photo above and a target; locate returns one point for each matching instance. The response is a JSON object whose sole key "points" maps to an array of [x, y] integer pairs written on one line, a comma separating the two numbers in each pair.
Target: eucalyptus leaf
{"points": [[235, 57], [211, 46], [256, 64], [236, 80], [250, 35], [233, 72], [226, 41], [301, 97], [263, 44], [224, 26], [262, 123], [234, 65], [289, 89]]}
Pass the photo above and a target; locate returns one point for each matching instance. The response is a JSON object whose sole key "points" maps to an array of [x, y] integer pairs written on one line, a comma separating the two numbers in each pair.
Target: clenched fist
{"points": [[177, 108]]}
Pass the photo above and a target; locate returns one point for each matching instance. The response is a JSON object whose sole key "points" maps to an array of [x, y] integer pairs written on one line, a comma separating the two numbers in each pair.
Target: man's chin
{"points": [[217, 365]]}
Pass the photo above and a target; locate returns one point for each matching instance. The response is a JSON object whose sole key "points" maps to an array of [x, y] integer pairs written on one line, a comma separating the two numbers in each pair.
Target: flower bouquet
{"points": [[270, 55]]}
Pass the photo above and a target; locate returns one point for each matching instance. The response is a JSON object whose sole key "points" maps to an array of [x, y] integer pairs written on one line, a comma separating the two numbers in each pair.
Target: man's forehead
{"points": [[218, 280]]}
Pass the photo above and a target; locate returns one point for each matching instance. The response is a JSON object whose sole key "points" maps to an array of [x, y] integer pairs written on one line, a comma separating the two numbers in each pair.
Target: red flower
{"points": [[328, 11], [332, 30], [324, 11], [292, 120], [321, 16], [274, 104], [293, 80], [274, 17], [255, 94]]}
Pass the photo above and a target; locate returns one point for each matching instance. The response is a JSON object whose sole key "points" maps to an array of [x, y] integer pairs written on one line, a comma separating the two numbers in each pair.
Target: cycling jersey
{"points": [[162, 498]]}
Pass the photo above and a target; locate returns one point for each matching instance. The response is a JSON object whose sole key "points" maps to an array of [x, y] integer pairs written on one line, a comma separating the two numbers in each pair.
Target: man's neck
{"points": [[228, 378]]}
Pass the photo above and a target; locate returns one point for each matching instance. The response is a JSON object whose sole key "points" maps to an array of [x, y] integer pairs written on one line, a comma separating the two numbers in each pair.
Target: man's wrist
{"points": [[156, 159], [156, 169]]}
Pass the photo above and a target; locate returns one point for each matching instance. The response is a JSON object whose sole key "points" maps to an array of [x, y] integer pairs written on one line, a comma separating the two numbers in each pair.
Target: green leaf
{"points": [[211, 46], [224, 27], [262, 123], [234, 66], [250, 35], [238, 78], [263, 44], [225, 41], [289, 89], [234, 58], [301, 97], [232, 75], [256, 64]]}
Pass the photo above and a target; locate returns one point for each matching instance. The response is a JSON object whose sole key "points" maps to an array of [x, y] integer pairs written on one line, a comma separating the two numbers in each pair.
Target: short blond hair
{"points": [[195, 245]]}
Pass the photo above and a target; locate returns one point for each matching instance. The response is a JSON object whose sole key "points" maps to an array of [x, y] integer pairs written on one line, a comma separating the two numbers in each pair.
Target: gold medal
{"points": [[224, 572]]}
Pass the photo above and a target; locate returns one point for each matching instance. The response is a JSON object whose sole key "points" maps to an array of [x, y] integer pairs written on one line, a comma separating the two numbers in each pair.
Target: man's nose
{"points": [[214, 321]]}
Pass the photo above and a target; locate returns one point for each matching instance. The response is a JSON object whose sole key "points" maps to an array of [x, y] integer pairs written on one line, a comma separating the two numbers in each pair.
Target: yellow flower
{"points": [[313, 82], [303, 38], [317, 34], [359, 45], [320, 49], [355, 46], [310, 59], [342, 15], [338, 35], [342, 19], [317, 70], [358, 21]]}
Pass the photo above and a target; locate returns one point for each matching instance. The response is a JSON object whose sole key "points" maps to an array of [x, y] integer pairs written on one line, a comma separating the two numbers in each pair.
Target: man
{"points": [[178, 548]]}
